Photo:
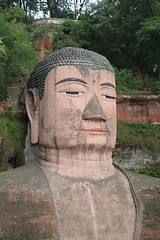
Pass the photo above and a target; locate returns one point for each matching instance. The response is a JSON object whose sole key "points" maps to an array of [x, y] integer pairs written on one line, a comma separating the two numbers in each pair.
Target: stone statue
{"points": [[73, 191]]}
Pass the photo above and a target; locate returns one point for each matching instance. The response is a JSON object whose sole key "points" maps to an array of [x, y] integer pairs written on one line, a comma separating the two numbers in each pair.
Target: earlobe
{"points": [[32, 107]]}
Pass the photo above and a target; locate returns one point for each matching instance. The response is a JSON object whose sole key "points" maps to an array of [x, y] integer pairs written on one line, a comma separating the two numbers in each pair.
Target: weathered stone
{"points": [[31, 151], [138, 108], [86, 197], [16, 99], [44, 46], [26, 206], [54, 21], [149, 191], [130, 157]]}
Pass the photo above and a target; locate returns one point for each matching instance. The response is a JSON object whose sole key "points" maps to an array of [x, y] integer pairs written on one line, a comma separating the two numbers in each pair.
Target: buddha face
{"points": [[78, 109]]}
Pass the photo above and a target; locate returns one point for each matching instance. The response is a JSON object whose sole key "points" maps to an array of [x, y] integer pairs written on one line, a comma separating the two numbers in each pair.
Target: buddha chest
{"points": [[100, 210]]}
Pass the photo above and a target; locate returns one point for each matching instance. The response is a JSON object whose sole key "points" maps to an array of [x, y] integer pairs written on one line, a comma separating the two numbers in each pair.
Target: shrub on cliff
{"points": [[12, 139], [19, 57]]}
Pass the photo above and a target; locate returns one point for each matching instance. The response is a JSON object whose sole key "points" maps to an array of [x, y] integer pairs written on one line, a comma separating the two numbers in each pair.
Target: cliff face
{"points": [[44, 45], [129, 157], [138, 108]]}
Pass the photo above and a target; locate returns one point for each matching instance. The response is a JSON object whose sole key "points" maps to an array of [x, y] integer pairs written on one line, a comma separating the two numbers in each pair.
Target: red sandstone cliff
{"points": [[138, 108], [44, 46]]}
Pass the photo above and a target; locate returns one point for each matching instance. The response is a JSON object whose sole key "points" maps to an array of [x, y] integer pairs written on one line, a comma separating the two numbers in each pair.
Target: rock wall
{"points": [[54, 21], [16, 101], [31, 151], [129, 157], [44, 45], [138, 108]]}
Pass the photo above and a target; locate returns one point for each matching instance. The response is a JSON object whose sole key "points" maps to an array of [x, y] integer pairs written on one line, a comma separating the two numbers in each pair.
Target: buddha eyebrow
{"points": [[108, 84], [71, 80]]}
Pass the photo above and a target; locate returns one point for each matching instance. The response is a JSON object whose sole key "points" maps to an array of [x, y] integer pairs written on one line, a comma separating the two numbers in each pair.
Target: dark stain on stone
{"points": [[42, 122], [57, 155]]}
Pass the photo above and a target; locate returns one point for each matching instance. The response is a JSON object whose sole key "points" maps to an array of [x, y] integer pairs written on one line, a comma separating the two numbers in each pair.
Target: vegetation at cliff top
{"points": [[55, 9], [125, 31]]}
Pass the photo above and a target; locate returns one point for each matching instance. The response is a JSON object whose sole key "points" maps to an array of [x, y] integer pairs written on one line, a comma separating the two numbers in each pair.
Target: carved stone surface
{"points": [[131, 158], [27, 208], [66, 57], [71, 105], [138, 108]]}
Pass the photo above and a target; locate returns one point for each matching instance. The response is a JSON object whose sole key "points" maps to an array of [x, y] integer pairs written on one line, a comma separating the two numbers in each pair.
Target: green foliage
{"points": [[154, 172], [142, 135], [148, 39], [152, 83], [149, 26], [13, 131], [20, 56], [15, 14], [63, 37], [74, 33], [61, 41], [82, 33], [125, 31], [117, 28], [67, 26], [113, 29], [41, 31], [126, 83], [57, 9]]}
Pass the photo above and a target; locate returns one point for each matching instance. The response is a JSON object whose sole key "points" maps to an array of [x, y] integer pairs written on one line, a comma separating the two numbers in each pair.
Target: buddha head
{"points": [[71, 102]]}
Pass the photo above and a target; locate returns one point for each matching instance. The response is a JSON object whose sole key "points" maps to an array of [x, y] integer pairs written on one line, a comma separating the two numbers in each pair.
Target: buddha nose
{"points": [[93, 110]]}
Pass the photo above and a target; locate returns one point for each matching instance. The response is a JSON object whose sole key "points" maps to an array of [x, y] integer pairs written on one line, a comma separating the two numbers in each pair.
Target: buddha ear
{"points": [[32, 107]]}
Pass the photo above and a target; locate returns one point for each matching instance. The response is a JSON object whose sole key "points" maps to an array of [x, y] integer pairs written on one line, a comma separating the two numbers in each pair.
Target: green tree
{"points": [[28, 7], [15, 14], [114, 27], [63, 37], [148, 39], [73, 33], [127, 33], [19, 57], [56, 8], [63, 8]]}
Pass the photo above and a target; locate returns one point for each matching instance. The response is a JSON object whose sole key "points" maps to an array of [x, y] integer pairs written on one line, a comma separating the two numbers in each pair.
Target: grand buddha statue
{"points": [[72, 191]]}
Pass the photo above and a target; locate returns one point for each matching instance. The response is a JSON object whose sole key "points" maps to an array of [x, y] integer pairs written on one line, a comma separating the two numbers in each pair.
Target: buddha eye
{"points": [[108, 97], [73, 92]]}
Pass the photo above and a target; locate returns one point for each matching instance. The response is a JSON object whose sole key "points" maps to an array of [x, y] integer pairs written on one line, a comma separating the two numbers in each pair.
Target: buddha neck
{"points": [[81, 162]]}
